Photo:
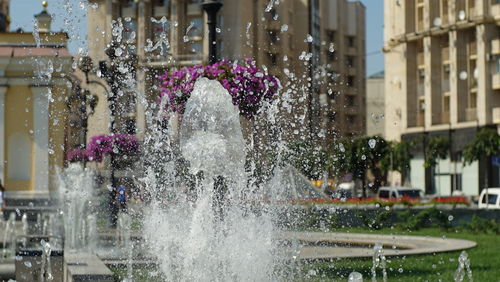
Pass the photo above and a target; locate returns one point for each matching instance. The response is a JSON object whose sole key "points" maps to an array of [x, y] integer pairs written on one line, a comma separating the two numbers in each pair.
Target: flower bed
{"points": [[247, 85], [405, 201], [102, 145]]}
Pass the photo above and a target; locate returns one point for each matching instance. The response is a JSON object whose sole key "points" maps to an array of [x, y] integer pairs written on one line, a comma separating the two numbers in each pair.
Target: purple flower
{"points": [[248, 85], [117, 144]]}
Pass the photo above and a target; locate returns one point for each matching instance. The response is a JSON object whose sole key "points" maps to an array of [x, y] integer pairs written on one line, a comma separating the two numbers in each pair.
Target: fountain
{"points": [[76, 205], [9, 237], [212, 230], [379, 261], [463, 267]]}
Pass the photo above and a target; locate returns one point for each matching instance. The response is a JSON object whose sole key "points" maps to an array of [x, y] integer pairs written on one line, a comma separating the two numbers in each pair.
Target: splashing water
{"points": [[36, 34], [76, 204], [9, 236], [46, 268], [163, 44], [209, 231], [269, 6], [186, 36], [123, 233], [379, 261], [355, 277], [463, 267]]}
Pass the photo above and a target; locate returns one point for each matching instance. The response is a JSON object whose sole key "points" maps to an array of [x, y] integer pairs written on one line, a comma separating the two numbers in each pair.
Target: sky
{"points": [[69, 15]]}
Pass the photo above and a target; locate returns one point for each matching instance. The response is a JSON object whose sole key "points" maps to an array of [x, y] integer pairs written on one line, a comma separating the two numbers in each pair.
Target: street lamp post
{"points": [[113, 77], [211, 8]]}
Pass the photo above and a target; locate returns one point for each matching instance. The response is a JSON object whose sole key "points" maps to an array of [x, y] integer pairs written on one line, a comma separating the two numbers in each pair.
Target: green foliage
{"points": [[436, 148], [359, 155], [481, 225], [486, 143], [375, 220], [431, 217], [309, 158], [399, 156]]}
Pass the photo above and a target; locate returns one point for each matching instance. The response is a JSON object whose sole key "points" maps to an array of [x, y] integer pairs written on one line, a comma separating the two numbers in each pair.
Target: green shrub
{"points": [[482, 225], [431, 217], [376, 220]]}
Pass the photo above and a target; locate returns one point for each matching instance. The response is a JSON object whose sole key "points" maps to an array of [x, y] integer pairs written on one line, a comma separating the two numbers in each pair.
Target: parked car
{"points": [[398, 192], [489, 198]]}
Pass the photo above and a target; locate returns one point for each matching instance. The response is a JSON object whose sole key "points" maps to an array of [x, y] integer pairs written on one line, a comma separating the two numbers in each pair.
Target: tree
{"points": [[359, 155], [436, 148], [486, 143], [308, 158], [398, 158]]}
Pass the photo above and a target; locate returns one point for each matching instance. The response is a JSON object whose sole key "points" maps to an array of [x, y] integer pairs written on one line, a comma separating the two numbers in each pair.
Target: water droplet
{"points": [[309, 38], [450, 217], [28, 264], [331, 48], [400, 270], [372, 143], [218, 30], [284, 28]]}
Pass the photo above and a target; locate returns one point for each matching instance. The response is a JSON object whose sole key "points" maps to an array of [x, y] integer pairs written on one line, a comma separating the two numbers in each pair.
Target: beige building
{"points": [[375, 105], [33, 107], [279, 35], [442, 61]]}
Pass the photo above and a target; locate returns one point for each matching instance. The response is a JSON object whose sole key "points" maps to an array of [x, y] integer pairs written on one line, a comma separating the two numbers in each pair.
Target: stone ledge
{"points": [[85, 267]]}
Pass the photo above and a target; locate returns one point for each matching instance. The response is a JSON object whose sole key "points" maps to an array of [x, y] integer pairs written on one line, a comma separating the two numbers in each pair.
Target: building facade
{"points": [[442, 79], [326, 90], [375, 105], [33, 107]]}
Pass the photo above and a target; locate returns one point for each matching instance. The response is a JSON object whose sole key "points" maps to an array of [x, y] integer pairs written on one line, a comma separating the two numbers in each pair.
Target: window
{"points": [[197, 29], [19, 156], [273, 59], [351, 41], [130, 126], [490, 199], [164, 3], [349, 61], [273, 37], [349, 100], [350, 119], [331, 56], [496, 63], [383, 194], [330, 36], [350, 80]]}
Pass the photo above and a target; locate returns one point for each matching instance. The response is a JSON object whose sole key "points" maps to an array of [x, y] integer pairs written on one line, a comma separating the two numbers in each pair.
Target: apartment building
{"points": [[442, 78], [325, 89], [375, 105]]}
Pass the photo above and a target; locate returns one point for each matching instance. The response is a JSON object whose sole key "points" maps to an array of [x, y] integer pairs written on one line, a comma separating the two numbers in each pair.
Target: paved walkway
{"points": [[320, 245]]}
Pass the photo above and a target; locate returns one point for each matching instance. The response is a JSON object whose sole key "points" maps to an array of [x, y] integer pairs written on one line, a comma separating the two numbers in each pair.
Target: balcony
{"points": [[496, 115], [471, 114], [160, 11], [445, 117], [495, 81], [421, 119], [194, 10], [445, 54], [472, 48], [420, 59], [495, 46]]}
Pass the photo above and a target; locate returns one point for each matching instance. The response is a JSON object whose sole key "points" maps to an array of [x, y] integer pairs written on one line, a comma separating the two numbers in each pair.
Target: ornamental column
{"points": [[41, 137], [3, 90]]}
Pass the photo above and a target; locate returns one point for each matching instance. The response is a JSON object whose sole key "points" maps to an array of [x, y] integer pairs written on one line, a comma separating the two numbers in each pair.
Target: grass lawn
{"points": [[485, 260]]}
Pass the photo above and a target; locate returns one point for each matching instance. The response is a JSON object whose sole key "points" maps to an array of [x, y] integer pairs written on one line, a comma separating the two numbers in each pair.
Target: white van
{"points": [[398, 192], [489, 198]]}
